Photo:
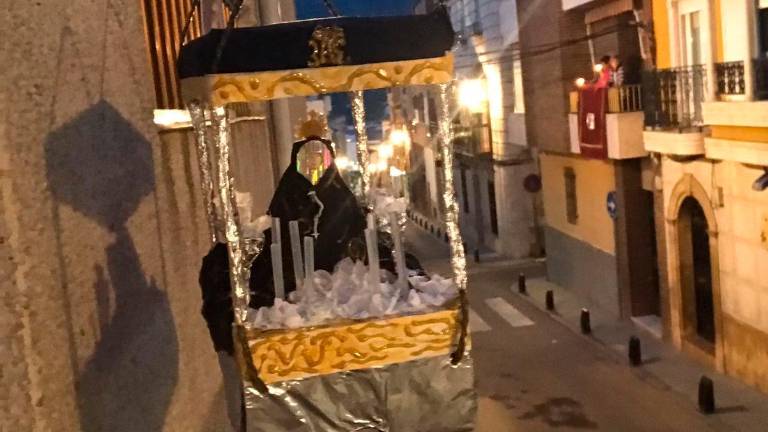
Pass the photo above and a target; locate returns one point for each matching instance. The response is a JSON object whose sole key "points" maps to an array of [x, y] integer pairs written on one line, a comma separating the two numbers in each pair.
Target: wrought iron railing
{"points": [[730, 78], [760, 72], [673, 97], [626, 98]]}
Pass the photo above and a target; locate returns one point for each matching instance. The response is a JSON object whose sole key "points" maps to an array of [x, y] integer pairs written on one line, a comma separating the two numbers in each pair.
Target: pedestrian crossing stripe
{"points": [[476, 324], [509, 313]]}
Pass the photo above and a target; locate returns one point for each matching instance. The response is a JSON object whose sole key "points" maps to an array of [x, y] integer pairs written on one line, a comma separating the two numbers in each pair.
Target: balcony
{"points": [[674, 118], [673, 97], [623, 123], [730, 79], [739, 104]]}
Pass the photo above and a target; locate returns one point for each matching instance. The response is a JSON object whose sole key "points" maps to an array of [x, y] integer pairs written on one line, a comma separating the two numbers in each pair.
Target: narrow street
{"points": [[535, 374]]}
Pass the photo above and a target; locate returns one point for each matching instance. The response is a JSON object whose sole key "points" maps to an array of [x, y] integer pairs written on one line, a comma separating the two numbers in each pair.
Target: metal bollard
{"points": [[586, 326], [521, 288], [635, 353], [549, 299], [706, 395]]}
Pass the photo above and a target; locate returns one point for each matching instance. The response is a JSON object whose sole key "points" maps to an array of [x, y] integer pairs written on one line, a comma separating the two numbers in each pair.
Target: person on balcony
{"points": [[604, 73], [617, 71]]}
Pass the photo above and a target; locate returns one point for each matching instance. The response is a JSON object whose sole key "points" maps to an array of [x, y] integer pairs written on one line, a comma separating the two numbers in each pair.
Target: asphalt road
{"points": [[534, 374]]}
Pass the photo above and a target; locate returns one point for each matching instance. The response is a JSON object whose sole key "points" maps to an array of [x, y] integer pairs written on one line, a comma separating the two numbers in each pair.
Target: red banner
{"points": [[592, 136]]}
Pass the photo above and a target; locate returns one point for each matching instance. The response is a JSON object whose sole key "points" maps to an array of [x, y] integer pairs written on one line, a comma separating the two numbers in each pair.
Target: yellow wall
{"points": [[740, 133], [717, 15], [661, 31], [594, 179]]}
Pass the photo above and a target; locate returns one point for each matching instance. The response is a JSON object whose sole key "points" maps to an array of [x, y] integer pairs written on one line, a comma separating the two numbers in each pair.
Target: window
{"points": [[571, 204], [464, 195], [492, 207]]}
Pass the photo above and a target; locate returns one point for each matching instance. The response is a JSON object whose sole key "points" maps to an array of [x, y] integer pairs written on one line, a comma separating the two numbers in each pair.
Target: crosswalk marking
{"points": [[514, 317], [476, 324]]}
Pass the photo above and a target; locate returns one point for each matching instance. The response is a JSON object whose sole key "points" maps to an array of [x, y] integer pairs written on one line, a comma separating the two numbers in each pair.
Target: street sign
{"points": [[532, 183]]}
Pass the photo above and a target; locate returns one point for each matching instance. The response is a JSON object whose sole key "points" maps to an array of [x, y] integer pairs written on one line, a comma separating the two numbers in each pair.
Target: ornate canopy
{"points": [[320, 56]]}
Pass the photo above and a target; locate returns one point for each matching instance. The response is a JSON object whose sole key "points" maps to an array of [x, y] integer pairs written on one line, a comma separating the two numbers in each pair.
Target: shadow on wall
{"points": [[102, 167]]}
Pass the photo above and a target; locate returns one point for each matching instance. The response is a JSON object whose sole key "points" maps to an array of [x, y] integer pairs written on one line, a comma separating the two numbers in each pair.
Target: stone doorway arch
{"points": [[688, 196]]}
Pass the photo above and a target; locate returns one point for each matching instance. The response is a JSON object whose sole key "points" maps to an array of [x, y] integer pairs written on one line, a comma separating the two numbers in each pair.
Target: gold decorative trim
{"points": [[221, 89], [327, 45], [282, 355]]}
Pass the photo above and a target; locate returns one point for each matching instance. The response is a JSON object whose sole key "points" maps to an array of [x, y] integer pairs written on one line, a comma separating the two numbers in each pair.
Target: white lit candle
{"points": [[277, 270], [309, 262], [402, 271], [298, 261], [276, 237], [372, 221], [373, 256]]}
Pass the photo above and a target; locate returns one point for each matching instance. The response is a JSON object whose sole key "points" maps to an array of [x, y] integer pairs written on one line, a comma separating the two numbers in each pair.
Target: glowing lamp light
{"points": [[172, 118], [472, 95], [381, 166], [343, 162], [399, 137], [395, 172], [598, 68], [385, 151], [580, 82]]}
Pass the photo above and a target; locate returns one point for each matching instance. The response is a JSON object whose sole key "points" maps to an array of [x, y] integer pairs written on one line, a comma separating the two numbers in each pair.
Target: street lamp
{"points": [[400, 137], [472, 95]]}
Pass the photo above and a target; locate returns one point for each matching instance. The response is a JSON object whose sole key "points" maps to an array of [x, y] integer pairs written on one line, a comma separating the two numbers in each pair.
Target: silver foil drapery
{"points": [[197, 114], [358, 114], [226, 185], [458, 259], [425, 395]]}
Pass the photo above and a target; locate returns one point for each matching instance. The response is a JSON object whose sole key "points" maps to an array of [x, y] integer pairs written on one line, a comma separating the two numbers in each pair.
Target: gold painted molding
{"points": [[221, 89], [282, 355]]}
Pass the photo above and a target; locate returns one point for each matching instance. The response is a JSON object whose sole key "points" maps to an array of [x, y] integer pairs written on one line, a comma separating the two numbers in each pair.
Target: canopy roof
{"points": [[318, 56]]}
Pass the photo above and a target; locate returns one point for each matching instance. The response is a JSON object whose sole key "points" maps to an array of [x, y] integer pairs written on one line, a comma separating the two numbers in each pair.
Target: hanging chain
{"points": [[234, 10]]}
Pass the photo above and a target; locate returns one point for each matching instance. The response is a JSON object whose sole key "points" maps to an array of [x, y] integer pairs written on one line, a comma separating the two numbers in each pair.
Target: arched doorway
{"points": [[696, 273], [693, 268]]}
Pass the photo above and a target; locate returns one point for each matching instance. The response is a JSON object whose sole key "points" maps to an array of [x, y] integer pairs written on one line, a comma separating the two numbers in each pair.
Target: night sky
{"points": [[316, 8]]}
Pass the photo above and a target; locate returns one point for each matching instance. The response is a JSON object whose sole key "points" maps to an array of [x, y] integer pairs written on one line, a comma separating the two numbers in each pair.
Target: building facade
{"points": [[492, 155], [598, 207], [708, 133]]}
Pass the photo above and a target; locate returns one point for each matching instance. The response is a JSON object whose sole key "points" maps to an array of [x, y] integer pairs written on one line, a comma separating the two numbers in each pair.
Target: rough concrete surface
{"points": [[101, 232]]}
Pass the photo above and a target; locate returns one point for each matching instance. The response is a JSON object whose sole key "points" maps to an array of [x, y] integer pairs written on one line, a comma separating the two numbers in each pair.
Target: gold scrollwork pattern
{"points": [[222, 89], [294, 354], [327, 45]]}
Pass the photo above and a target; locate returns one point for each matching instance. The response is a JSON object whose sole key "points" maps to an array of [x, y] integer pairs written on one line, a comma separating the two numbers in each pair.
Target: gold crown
{"points": [[315, 125]]}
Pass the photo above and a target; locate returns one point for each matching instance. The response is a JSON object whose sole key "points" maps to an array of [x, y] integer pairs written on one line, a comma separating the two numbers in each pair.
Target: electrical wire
{"points": [[331, 8]]}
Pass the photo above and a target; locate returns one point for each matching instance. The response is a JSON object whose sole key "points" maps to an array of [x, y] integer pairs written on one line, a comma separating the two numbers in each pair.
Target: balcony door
{"points": [[690, 30], [694, 54]]}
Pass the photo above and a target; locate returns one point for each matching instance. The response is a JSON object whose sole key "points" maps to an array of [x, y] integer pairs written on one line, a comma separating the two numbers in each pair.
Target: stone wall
{"points": [[101, 233]]}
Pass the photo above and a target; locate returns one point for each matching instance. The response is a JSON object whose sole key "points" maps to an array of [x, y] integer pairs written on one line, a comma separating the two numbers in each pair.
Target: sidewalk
{"points": [[739, 407]]}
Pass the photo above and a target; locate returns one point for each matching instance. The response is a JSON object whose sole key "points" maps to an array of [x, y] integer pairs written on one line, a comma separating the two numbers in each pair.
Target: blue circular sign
{"points": [[610, 204]]}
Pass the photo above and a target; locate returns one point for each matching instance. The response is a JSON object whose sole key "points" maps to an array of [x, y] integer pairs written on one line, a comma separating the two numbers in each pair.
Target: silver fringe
{"points": [[358, 113], [458, 260], [226, 184], [197, 113]]}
